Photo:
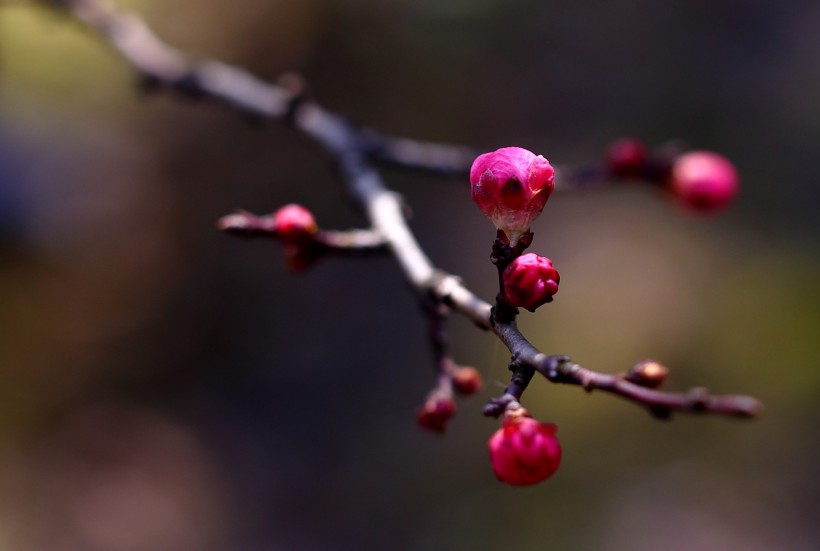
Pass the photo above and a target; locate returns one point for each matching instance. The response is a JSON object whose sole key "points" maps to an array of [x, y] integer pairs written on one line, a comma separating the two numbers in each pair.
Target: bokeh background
{"points": [[166, 387]]}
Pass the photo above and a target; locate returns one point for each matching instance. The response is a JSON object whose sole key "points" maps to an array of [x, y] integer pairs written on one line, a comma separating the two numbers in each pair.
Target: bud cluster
{"points": [[440, 407], [703, 181], [511, 186]]}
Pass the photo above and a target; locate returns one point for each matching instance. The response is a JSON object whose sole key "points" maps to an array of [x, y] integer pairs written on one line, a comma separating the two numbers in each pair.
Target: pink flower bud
{"points": [[435, 412], [704, 180], [294, 225], [467, 380], [626, 158], [523, 451], [511, 187], [530, 281]]}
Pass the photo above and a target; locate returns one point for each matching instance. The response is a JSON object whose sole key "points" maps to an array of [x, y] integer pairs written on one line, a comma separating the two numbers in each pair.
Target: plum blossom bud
{"points": [[466, 380], [703, 180], [434, 414], [648, 373], [524, 451], [295, 228], [511, 187], [530, 281], [294, 224], [626, 158]]}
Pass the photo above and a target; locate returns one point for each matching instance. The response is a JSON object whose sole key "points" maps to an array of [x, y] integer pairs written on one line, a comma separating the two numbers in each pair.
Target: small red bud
{"points": [[294, 224], [626, 158], [434, 414], [524, 451], [511, 187], [295, 228], [703, 180], [648, 373], [530, 281], [467, 380]]}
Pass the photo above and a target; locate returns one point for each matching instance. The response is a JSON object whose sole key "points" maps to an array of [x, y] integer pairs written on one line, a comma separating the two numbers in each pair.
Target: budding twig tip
{"points": [[233, 222]]}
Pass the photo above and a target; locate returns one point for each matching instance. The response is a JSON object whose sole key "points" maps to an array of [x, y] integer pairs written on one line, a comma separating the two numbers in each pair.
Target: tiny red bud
{"points": [[294, 224], [648, 373], [703, 180], [530, 281], [295, 228], [524, 451], [467, 380], [626, 158], [511, 187], [434, 414]]}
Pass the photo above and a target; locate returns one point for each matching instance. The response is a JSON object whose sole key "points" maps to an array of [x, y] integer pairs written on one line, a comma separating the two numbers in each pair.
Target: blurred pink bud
{"points": [[294, 224], [530, 281], [295, 228], [703, 180], [626, 158], [434, 414], [511, 187], [467, 380], [523, 451]]}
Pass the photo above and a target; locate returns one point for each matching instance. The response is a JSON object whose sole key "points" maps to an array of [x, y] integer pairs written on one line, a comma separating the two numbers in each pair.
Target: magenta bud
{"points": [[511, 187], [530, 281], [704, 181], [626, 158], [295, 228], [524, 451], [294, 224]]}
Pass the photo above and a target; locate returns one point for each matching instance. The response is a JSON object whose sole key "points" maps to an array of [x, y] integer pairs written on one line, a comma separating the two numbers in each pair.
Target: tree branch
{"points": [[353, 148]]}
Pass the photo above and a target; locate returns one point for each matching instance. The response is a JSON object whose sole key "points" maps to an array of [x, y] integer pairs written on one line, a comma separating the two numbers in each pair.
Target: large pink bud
{"points": [[524, 451], [704, 180], [511, 187], [530, 281]]}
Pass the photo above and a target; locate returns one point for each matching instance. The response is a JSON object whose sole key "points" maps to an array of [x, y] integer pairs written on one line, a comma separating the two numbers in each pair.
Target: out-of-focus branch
{"points": [[353, 148], [161, 66], [438, 158]]}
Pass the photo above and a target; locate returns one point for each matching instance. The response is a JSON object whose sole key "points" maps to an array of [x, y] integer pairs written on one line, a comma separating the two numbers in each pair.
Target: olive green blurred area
{"points": [[167, 387]]}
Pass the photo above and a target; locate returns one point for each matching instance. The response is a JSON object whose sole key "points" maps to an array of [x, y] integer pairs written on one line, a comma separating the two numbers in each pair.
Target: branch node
{"points": [[298, 93], [697, 398], [497, 406], [189, 84]]}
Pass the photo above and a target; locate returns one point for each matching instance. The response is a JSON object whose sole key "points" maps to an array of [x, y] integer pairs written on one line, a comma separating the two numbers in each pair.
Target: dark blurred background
{"points": [[166, 387]]}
